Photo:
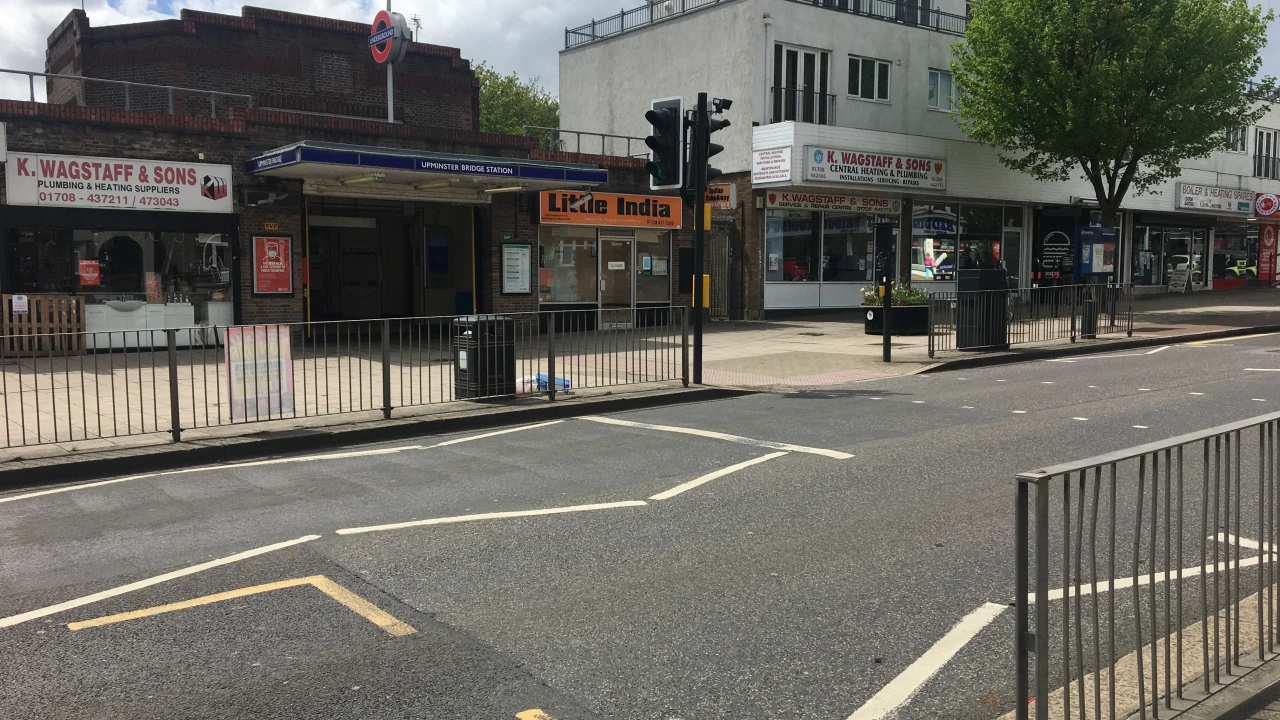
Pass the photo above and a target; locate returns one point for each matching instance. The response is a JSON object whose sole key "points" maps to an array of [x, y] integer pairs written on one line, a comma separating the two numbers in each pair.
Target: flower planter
{"points": [[905, 319]]}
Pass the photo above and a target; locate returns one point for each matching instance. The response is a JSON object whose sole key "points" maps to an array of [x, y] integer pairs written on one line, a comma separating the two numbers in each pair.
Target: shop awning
{"points": [[368, 171]]}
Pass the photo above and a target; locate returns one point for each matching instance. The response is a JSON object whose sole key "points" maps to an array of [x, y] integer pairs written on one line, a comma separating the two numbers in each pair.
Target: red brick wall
{"points": [[285, 60]]}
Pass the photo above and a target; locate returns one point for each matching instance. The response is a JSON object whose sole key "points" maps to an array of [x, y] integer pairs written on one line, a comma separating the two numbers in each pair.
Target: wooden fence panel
{"points": [[53, 325]]}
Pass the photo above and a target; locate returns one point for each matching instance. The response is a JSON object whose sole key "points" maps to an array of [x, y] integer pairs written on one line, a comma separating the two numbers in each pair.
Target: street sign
{"points": [[388, 37]]}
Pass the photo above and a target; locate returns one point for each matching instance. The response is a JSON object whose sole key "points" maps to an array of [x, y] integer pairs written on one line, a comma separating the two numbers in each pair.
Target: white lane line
{"points": [[877, 398], [69, 488], [1259, 399], [917, 402], [1002, 381], [1197, 393], [1095, 387], [494, 434], [1228, 339], [1245, 542], [1019, 412], [1127, 582], [1262, 369], [668, 494], [1143, 427], [301, 459], [1144, 389], [1080, 418], [1159, 349], [1046, 382], [899, 690], [723, 436], [113, 592], [492, 516], [1100, 357], [966, 407]]}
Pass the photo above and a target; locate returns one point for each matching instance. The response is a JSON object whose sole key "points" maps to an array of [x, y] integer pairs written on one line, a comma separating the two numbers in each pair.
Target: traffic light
{"points": [[714, 125], [666, 144]]}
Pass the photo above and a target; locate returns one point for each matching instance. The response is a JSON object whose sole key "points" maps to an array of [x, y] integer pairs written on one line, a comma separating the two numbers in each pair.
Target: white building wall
{"points": [[607, 86]]}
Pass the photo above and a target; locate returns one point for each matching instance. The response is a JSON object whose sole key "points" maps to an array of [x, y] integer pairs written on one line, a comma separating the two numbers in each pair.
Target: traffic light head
{"points": [[666, 144], [715, 125]]}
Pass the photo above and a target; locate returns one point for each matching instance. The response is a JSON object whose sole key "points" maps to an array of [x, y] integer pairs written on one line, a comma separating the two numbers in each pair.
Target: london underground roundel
{"points": [[388, 37], [1266, 204]]}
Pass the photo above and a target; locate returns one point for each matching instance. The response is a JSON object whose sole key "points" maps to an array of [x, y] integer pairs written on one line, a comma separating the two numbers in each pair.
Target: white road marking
{"points": [[1080, 418], [1046, 382], [1262, 369], [966, 407], [723, 436], [1095, 387], [1099, 357], [113, 592], [668, 494], [69, 488], [1259, 400], [495, 434], [1143, 427], [899, 690], [1228, 339], [1144, 389], [1002, 381], [877, 398], [492, 516], [1019, 412], [1245, 542], [1197, 393], [1159, 349], [300, 459], [917, 402]]}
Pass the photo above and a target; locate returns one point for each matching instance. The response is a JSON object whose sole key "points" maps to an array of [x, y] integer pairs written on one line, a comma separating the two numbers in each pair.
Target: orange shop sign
{"points": [[560, 207]]}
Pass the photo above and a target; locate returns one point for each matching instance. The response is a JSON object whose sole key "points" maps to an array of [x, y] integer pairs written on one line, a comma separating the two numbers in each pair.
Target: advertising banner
{"points": [[259, 363], [272, 265], [833, 201], [873, 168], [117, 183], [610, 210], [770, 166], [1267, 253]]}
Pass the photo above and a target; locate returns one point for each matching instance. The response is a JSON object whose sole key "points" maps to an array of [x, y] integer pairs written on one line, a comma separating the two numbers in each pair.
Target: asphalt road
{"points": [[795, 587]]}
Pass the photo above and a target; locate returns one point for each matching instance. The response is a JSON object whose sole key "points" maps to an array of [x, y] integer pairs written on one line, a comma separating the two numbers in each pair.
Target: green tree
{"points": [[507, 103], [1121, 90]]}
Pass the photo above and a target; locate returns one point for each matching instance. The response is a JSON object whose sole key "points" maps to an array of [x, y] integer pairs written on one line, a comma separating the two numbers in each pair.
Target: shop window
{"points": [[868, 79], [120, 263], [980, 237], [192, 267], [933, 241], [39, 260], [848, 248], [942, 91], [567, 264], [653, 263], [1235, 255], [792, 245]]}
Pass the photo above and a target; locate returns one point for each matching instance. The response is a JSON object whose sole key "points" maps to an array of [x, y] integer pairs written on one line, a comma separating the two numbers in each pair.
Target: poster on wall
{"points": [[117, 183], [1267, 253], [516, 273], [1098, 247], [272, 265], [259, 362], [771, 166], [90, 273]]}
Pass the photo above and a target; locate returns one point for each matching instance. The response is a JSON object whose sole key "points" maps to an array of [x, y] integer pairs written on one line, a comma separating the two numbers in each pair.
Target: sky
{"points": [[522, 36]]}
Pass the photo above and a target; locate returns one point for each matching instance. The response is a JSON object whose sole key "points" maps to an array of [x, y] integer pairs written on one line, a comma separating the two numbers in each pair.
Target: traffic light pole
{"points": [[698, 165]]}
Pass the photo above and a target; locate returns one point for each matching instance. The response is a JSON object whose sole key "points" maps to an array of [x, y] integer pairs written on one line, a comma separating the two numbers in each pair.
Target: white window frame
{"points": [[1241, 140], [888, 91], [954, 95]]}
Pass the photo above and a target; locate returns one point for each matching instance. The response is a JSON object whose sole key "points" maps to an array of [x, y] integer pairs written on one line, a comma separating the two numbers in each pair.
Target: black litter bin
{"points": [[982, 309], [1089, 308], [484, 356]]}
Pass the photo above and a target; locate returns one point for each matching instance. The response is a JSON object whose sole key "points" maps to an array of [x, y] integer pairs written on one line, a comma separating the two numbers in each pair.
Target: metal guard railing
{"points": [[60, 89], [71, 387], [551, 139], [898, 11], [1186, 602]]}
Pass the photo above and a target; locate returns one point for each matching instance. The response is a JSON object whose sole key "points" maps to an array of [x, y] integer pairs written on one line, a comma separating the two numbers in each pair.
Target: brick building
{"points": [[241, 169]]}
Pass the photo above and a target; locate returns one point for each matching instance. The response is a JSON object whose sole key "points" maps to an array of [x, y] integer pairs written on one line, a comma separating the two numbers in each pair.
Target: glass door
{"points": [[617, 282]]}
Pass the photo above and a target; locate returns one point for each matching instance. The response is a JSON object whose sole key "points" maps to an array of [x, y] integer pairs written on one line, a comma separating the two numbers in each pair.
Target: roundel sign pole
{"points": [[388, 42]]}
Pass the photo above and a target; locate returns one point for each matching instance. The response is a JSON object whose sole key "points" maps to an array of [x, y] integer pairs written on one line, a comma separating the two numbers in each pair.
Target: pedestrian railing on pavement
{"points": [[1145, 579], [996, 319], [64, 387]]}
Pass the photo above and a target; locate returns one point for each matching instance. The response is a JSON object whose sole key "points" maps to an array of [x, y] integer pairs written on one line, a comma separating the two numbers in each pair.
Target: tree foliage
{"points": [[1122, 90], [507, 103]]}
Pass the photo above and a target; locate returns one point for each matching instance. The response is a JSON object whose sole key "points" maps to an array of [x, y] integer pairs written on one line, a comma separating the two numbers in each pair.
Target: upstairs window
{"points": [[868, 79], [942, 91]]}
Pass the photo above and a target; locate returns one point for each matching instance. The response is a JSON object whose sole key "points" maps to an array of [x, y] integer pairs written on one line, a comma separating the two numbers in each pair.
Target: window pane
{"points": [[933, 89], [868, 79], [855, 70], [933, 242], [566, 264], [882, 86], [847, 248], [791, 245], [653, 263], [773, 245], [944, 90]]}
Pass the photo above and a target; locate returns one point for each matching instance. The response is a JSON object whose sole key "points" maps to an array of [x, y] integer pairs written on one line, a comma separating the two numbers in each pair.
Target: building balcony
{"points": [[791, 104]]}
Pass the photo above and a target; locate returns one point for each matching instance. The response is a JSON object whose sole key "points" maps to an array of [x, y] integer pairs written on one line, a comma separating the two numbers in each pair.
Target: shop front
{"points": [[117, 245], [606, 251], [1171, 252]]}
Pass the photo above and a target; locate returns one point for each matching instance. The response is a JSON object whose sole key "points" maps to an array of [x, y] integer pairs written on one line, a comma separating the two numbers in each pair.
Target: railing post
{"points": [[684, 346], [1129, 291], [1072, 288], [1041, 688], [31, 79], [386, 369], [170, 101], [80, 93], [175, 420], [551, 356], [126, 97], [1022, 640], [213, 105], [593, 29], [930, 322]]}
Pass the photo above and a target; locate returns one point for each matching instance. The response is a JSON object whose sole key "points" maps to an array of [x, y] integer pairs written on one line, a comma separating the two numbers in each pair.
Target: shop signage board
{"points": [[1266, 204], [388, 37], [771, 166], [1178, 280], [83, 181], [722, 196], [272, 265], [1213, 199], [259, 361], [832, 201], [90, 273], [21, 306], [516, 273], [1267, 253], [854, 167], [558, 207]]}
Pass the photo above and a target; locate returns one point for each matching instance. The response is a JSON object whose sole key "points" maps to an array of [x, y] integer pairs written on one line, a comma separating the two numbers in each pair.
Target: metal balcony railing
{"points": [[1266, 166], [100, 92], [792, 104], [906, 12], [550, 138]]}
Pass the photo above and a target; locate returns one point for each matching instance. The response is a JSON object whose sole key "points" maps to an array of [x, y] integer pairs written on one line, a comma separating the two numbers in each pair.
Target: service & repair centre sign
{"points": [[852, 167], [117, 183]]}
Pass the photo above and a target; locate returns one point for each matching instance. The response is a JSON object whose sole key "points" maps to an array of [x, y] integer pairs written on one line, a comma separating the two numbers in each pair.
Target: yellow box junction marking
{"points": [[534, 714], [350, 600]]}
